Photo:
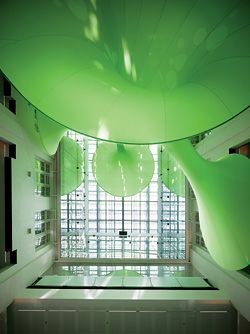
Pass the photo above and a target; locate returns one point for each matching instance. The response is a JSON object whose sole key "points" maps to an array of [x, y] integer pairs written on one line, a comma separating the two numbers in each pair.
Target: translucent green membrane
{"points": [[130, 71], [42, 131], [123, 170], [138, 72], [50, 132], [71, 165], [172, 175], [222, 190]]}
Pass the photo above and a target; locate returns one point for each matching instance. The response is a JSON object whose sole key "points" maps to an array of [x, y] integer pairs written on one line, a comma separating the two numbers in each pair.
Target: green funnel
{"points": [[42, 131], [71, 165], [172, 174], [50, 132], [123, 170], [222, 190]]}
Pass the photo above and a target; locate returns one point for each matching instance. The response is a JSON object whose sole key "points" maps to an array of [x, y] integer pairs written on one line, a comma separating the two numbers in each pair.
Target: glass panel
{"points": [[92, 221]]}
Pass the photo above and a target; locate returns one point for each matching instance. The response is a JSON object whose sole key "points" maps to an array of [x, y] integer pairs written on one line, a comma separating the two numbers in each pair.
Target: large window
{"points": [[43, 228], [91, 219]]}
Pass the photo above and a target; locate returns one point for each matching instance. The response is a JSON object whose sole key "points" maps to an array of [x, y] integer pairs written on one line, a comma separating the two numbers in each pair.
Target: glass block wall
{"points": [[172, 236], [91, 218], [43, 228]]}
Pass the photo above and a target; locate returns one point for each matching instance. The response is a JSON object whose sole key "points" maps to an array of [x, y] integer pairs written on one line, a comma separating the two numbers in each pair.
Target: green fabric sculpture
{"points": [[71, 165], [172, 175], [130, 71], [123, 170], [222, 190], [142, 72]]}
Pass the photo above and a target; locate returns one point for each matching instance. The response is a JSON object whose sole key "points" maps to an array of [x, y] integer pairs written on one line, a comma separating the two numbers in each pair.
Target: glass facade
{"points": [[92, 220], [43, 228], [42, 173]]}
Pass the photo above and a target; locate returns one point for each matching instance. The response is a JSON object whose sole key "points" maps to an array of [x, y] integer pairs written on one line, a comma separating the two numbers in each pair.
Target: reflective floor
{"points": [[54, 281], [176, 270]]}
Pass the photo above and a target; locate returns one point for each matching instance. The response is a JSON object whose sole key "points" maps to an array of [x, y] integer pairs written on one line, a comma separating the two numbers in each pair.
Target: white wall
{"points": [[230, 134], [235, 284], [25, 203]]}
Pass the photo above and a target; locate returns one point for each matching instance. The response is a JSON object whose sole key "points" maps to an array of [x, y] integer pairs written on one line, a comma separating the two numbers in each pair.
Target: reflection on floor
{"points": [[173, 270], [54, 281]]}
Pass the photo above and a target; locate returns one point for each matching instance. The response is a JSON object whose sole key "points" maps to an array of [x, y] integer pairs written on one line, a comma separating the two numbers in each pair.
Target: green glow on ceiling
{"points": [[71, 165], [130, 71], [122, 170], [222, 190]]}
